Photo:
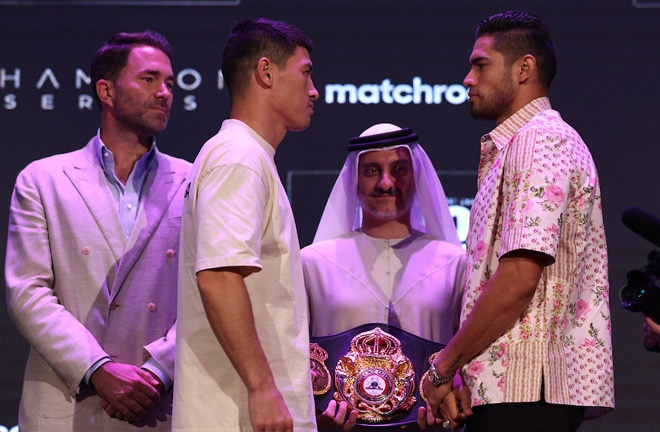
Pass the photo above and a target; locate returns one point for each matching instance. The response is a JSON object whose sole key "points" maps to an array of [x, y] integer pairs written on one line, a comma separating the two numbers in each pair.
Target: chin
{"points": [[158, 128], [383, 214], [298, 129], [479, 115]]}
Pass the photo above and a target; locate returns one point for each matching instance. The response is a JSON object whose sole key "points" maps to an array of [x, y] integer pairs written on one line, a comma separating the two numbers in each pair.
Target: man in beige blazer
{"points": [[92, 249]]}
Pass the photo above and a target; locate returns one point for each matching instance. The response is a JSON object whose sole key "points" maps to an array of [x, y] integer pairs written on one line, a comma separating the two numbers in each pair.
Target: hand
{"points": [[335, 416], [126, 391], [268, 411], [448, 402], [160, 386], [651, 334], [426, 420]]}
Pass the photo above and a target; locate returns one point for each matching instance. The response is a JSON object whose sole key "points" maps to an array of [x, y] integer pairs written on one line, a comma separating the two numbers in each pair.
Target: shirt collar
{"points": [[107, 160], [262, 142], [503, 133]]}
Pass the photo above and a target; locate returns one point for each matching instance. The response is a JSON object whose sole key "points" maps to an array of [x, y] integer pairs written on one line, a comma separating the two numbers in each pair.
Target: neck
{"points": [[523, 99], [392, 229], [127, 148], [260, 120]]}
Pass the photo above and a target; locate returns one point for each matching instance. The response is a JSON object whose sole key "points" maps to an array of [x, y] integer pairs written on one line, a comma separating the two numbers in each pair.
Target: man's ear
{"points": [[527, 67], [105, 89], [265, 72]]}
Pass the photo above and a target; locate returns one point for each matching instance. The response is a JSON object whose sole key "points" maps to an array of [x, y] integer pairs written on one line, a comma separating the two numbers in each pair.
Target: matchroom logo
{"points": [[402, 94]]}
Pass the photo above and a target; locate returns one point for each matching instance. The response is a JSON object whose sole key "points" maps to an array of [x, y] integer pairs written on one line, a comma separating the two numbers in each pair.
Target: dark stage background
{"points": [[607, 88]]}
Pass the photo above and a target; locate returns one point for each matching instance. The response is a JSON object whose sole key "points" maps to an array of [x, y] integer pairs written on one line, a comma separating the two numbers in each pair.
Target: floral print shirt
{"points": [[538, 190]]}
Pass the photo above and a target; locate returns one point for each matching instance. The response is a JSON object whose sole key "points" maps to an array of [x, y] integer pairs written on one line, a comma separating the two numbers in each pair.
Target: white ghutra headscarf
{"points": [[430, 211]]}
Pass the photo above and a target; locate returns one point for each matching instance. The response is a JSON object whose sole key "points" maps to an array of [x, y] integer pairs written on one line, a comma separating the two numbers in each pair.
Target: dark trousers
{"points": [[525, 417]]}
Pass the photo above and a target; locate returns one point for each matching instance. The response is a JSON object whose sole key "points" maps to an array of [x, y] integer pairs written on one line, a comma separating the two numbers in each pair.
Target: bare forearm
{"points": [[494, 313], [229, 311], [503, 300]]}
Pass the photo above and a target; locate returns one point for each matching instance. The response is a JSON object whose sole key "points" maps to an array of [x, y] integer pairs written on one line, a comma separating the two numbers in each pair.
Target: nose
{"points": [[313, 93], [386, 181], [468, 81], [164, 91]]}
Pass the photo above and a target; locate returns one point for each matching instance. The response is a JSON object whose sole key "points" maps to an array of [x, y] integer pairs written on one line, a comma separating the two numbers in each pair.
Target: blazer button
{"points": [[86, 250], [170, 253], [151, 307], [113, 306]]}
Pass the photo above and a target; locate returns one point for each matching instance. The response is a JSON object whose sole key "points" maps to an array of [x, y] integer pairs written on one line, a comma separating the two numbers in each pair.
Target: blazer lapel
{"points": [[87, 177], [161, 186]]}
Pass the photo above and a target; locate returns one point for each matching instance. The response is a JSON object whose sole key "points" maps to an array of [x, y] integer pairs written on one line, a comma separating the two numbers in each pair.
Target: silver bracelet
{"points": [[438, 380]]}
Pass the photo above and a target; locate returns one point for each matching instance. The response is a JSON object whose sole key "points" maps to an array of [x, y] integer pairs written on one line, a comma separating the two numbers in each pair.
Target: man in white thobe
{"points": [[386, 249]]}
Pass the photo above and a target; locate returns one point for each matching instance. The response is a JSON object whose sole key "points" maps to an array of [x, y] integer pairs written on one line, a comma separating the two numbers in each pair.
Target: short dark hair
{"points": [[249, 40], [517, 33], [111, 58]]}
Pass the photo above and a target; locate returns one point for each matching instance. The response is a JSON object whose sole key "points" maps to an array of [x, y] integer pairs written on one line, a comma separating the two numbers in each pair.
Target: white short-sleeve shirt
{"points": [[237, 213]]}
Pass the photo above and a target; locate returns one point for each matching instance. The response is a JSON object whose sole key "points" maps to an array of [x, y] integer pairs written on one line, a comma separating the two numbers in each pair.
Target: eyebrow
{"points": [[478, 59], [157, 73], [308, 63], [398, 161]]}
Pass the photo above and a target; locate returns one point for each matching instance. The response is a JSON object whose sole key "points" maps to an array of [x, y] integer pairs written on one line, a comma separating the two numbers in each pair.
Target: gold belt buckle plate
{"points": [[375, 378], [320, 374]]}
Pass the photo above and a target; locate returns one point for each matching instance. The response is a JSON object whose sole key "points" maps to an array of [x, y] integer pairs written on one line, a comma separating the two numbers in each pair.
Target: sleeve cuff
{"points": [[152, 366], [94, 367]]}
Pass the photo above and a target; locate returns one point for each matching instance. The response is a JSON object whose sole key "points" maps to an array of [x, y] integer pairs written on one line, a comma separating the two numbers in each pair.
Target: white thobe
{"points": [[414, 284]]}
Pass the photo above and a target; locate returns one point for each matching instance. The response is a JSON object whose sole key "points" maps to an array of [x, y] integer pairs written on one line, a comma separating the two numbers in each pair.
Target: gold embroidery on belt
{"points": [[375, 377]]}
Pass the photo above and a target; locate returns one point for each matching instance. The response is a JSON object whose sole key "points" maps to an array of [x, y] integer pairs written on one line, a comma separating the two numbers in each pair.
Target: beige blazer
{"points": [[79, 290]]}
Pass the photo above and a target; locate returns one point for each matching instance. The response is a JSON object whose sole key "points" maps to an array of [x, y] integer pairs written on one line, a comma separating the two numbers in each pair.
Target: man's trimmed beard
{"points": [[386, 215], [496, 103], [136, 113]]}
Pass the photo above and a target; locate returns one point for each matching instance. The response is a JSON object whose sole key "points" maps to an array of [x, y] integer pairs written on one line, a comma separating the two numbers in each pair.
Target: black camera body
{"points": [[641, 294]]}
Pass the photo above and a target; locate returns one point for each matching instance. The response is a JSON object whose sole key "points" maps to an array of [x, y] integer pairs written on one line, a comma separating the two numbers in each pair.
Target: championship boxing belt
{"points": [[375, 368]]}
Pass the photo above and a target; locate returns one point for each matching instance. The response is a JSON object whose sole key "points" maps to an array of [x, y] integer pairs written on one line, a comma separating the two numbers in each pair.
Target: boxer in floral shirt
{"points": [[534, 347]]}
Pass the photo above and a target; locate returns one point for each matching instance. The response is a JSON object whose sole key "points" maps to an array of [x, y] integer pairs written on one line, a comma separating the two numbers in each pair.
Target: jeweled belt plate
{"points": [[376, 372]]}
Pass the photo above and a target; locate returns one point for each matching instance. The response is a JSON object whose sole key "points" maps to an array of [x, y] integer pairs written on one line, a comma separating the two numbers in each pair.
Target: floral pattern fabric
{"points": [[538, 190]]}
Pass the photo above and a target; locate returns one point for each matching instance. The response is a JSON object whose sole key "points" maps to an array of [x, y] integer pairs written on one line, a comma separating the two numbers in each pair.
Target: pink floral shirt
{"points": [[538, 190]]}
